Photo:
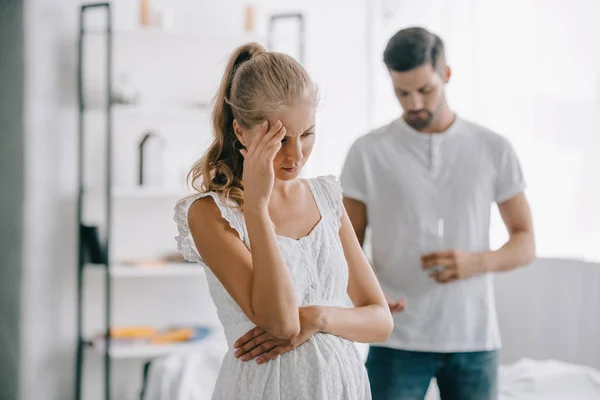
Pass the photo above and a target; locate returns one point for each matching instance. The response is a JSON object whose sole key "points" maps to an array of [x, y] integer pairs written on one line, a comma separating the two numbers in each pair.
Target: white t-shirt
{"points": [[409, 180]]}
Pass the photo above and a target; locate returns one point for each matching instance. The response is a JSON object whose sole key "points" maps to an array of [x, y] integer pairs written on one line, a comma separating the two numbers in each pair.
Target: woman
{"points": [[282, 303]]}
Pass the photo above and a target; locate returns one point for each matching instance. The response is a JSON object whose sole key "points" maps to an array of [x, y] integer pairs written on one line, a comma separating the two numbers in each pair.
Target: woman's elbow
{"points": [[285, 332], [386, 324], [284, 328]]}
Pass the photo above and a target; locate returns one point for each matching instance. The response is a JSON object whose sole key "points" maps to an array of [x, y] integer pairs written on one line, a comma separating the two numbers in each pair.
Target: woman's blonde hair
{"points": [[255, 83]]}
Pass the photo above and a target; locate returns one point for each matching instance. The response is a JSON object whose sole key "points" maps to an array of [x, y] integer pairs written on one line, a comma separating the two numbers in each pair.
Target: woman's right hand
{"points": [[258, 177], [262, 346]]}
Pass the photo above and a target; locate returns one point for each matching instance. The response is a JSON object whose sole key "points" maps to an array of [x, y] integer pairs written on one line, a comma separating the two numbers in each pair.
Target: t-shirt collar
{"points": [[413, 133]]}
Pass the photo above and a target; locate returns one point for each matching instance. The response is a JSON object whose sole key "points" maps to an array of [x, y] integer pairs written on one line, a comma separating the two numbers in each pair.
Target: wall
{"points": [[550, 310], [538, 84], [49, 241], [11, 192]]}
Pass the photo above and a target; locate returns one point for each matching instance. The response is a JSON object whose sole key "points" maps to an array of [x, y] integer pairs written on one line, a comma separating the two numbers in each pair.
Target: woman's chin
{"points": [[287, 174]]}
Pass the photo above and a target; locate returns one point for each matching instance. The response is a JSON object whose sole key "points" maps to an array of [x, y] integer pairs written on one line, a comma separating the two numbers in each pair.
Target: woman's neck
{"points": [[283, 189]]}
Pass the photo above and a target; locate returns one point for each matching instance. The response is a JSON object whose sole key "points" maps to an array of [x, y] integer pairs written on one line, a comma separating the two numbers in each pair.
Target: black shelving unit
{"points": [[87, 252]]}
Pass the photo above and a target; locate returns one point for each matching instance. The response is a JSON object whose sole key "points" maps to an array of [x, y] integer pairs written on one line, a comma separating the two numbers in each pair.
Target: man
{"points": [[403, 181]]}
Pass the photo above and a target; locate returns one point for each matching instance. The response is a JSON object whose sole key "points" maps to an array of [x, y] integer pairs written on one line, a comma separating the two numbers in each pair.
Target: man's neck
{"points": [[441, 124]]}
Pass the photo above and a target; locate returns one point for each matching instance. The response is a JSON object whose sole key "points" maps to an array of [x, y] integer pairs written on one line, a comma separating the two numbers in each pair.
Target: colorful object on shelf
{"points": [[149, 335], [173, 336], [249, 19], [133, 332], [164, 261], [145, 12]]}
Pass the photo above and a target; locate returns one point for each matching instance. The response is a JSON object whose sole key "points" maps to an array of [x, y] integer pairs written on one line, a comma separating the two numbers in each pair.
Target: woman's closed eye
{"points": [[304, 135]]}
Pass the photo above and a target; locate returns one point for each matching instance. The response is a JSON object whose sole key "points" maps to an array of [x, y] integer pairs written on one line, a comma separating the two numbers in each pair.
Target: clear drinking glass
{"points": [[432, 239]]}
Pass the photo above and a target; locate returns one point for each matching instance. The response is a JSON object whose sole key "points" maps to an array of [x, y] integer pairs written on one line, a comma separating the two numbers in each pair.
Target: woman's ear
{"points": [[239, 132]]}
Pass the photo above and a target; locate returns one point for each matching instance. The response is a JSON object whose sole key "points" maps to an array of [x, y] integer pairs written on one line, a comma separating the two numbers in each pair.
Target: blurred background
{"points": [[527, 69]]}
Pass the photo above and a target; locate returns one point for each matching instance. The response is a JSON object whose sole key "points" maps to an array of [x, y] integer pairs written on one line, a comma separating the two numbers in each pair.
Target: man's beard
{"points": [[418, 121]]}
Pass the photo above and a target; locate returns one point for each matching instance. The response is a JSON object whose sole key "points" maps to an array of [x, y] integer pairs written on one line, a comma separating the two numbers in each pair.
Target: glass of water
{"points": [[432, 239]]}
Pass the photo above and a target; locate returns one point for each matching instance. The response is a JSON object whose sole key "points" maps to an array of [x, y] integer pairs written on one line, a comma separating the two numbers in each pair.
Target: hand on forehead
{"points": [[296, 120]]}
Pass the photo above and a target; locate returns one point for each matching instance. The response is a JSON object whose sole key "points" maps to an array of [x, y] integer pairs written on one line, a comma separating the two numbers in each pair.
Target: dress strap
{"points": [[185, 242], [328, 195]]}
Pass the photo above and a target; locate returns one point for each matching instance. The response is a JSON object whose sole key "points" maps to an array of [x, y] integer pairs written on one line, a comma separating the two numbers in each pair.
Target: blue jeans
{"points": [[405, 375]]}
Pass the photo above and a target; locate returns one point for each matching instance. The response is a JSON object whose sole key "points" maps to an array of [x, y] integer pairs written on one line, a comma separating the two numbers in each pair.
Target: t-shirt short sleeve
{"points": [[354, 174], [510, 180]]}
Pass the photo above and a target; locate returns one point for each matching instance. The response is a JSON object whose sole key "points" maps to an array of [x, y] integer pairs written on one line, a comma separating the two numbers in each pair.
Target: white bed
{"points": [[549, 317]]}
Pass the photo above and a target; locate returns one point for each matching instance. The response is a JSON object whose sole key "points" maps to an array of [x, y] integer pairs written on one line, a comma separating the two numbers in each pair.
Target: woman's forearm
{"points": [[273, 295], [368, 324]]}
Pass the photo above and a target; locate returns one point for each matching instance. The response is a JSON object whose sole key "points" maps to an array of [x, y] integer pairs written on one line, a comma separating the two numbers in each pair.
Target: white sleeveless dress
{"points": [[326, 367]]}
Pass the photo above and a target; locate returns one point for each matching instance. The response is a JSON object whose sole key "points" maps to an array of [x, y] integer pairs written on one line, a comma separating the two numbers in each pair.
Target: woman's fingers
{"points": [[266, 139], [251, 334], [274, 353], [261, 349], [256, 139], [274, 145], [252, 345]]}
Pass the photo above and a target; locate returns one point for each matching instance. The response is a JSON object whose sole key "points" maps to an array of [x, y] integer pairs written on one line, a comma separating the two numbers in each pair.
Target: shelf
{"points": [[149, 34], [153, 110], [133, 351], [159, 271], [138, 192]]}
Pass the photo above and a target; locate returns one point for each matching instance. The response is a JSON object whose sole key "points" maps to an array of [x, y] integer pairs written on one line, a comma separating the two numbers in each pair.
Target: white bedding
{"points": [[529, 379]]}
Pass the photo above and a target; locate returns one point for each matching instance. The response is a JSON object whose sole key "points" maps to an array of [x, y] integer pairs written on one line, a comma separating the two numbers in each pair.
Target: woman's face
{"points": [[297, 145]]}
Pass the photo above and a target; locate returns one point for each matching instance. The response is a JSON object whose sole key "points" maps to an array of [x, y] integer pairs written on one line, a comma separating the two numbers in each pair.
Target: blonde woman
{"points": [[282, 257]]}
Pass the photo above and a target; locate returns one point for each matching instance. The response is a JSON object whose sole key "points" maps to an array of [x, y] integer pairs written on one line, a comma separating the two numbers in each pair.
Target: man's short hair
{"points": [[414, 47]]}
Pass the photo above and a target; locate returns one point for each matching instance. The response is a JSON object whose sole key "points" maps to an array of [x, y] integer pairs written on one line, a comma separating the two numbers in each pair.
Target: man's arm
{"points": [[357, 211], [519, 250]]}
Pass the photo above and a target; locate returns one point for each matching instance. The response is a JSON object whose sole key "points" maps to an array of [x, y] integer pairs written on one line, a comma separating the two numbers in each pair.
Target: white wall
{"points": [[49, 248], [336, 58], [534, 324], [530, 70]]}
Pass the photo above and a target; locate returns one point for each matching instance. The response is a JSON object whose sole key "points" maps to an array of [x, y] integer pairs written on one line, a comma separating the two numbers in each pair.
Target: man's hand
{"points": [[258, 343], [456, 264], [395, 306]]}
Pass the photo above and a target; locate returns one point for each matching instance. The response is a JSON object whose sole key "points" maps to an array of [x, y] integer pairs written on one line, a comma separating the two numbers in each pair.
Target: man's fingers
{"points": [[444, 276], [448, 254], [438, 261], [397, 306], [251, 334], [401, 305]]}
